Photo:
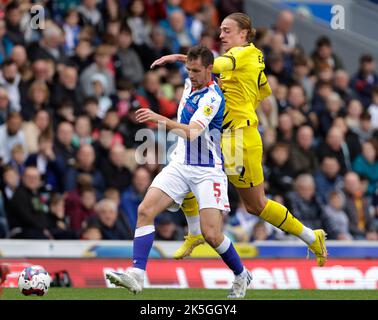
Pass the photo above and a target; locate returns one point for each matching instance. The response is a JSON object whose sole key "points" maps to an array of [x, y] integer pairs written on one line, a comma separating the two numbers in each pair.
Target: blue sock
{"points": [[229, 255], [144, 237]]}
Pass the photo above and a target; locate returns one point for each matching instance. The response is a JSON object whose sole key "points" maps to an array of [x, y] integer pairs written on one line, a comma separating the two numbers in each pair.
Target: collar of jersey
{"points": [[205, 88]]}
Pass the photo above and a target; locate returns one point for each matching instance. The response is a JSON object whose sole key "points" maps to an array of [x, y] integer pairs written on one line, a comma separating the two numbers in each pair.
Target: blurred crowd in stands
{"points": [[68, 96]]}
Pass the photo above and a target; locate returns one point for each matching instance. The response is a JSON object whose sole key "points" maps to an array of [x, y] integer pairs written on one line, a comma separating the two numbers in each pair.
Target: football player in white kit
{"points": [[196, 166]]}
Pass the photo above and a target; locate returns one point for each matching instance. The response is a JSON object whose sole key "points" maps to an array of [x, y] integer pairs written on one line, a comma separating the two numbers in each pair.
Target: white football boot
{"points": [[129, 280], [240, 285]]}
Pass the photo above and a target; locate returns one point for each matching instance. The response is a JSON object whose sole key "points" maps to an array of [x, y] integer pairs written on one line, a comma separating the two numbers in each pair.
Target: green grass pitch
{"points": [[184, 294]]}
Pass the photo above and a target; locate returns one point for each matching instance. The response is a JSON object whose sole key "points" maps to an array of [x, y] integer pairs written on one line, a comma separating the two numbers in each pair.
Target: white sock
{"points": [[194, 226], [223, 247], [307, 235], [139, 272], [244, 273]]}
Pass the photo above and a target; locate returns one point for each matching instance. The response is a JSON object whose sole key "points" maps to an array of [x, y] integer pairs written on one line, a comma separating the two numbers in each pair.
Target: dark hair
{"points": [[245, 23], [365, 116], [56, 198], [85, 189], [7, 62], [366, 58], [323, 41], [89, 100], [200, 51]]}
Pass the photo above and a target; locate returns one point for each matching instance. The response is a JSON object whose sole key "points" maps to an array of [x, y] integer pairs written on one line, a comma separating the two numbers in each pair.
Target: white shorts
{"points": [[208, 184]]}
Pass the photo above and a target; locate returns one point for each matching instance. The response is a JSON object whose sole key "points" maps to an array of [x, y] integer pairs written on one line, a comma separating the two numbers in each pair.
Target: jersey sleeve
{"points": [[208, 107], [264, 87], [224, 63]]}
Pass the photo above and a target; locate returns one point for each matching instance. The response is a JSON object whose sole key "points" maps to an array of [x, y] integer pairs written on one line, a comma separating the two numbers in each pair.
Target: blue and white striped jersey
{"points": [[205, 107]]}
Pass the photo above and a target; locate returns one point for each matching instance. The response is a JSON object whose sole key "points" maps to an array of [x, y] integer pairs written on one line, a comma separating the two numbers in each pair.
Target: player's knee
{"points": [[257, 206], [212, 237], [144, 212]]}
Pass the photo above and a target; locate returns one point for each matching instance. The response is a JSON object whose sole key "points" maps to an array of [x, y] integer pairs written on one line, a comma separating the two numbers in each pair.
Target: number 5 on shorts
{"points": [[217, 190]]}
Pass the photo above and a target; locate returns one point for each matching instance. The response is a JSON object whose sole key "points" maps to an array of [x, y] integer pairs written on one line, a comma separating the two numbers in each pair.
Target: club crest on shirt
{"points": [[195, 99], [207, 111]]}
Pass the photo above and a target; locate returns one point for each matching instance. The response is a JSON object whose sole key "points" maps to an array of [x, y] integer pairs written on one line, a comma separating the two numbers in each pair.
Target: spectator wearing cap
{"points": [[324, 58], [11, 134], [365, 79]]}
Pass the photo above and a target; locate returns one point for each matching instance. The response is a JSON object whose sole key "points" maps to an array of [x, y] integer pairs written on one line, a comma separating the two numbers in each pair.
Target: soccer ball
{"points": [[34, 280]]}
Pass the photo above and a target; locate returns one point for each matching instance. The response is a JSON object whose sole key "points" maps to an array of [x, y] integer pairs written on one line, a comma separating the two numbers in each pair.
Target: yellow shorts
{"points": [[242, 150]]}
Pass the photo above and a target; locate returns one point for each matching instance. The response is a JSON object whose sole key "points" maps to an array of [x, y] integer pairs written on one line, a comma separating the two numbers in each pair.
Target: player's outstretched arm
{"points": [[171, 58], [189, 131]]}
